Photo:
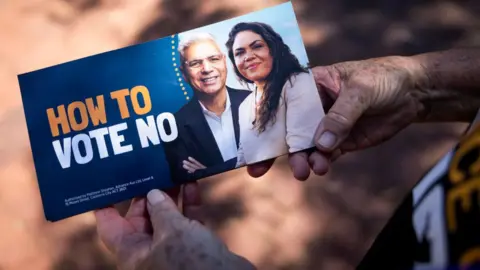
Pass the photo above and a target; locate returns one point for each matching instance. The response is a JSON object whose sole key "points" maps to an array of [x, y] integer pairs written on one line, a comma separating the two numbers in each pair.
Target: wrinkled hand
{"points": [[191, 165], [155, 235], [370, 101]]}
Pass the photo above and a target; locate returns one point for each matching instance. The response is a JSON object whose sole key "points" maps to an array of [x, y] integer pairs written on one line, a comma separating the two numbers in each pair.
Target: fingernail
{"points": [[327, 139], [155, 197]]}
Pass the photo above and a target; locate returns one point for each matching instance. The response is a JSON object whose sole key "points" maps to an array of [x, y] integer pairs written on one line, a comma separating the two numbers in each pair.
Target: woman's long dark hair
{"points": [[285, 64]]}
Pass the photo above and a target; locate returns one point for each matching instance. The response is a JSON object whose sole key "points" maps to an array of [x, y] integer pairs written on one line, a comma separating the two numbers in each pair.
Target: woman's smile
{"points": [[252, 56]]}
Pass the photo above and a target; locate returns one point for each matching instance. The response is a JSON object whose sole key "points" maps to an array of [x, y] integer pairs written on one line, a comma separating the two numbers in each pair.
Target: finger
{"points": [[336, 154], [327, 101], [137, 208], [326, 85], [200, 165], [188, 163], [192, 202], [340, 119], [195, 213], [328, 78], [299, 165], [259, 169], [191, 194], [188, 166], [164, 213], [192, 162], [109, 227], [174, 193], [137, 215], [193, 166], [319, 162], [348, 144]]}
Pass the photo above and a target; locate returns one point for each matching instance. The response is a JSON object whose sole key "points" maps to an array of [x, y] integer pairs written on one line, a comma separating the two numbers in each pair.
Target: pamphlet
{"points": [[112, 126]]}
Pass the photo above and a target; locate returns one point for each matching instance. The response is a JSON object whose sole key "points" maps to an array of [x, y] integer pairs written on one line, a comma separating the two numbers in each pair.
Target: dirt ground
{"points": [[276, 222]]}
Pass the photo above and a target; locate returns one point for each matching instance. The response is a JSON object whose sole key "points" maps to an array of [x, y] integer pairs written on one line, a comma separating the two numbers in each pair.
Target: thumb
{"points": [[337, 124], [164, 213]]}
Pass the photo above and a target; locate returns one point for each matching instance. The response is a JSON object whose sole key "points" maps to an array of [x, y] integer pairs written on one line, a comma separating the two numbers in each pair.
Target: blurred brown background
{"points": [[276, 222]]}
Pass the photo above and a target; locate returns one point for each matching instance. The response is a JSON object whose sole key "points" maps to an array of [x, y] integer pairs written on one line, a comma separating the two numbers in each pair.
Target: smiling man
{"points": [[208, 124]]}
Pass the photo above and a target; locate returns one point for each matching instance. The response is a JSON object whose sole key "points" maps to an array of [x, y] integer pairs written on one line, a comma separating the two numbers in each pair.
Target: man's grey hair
{"points": [[190, 39]]}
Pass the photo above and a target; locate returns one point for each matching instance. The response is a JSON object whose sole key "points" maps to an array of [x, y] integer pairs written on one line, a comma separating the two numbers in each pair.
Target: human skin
{"points": [[371, 100]]}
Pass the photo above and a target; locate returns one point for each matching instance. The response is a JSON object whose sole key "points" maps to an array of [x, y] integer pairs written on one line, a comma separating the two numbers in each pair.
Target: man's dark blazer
{"points": [[196, 140]]}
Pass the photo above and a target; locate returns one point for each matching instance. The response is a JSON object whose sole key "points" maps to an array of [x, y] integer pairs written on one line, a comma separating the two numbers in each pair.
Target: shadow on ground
{"points": [[83, 253]]}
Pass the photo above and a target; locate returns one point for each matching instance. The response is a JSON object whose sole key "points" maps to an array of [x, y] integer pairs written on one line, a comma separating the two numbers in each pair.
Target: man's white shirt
{"points": [[222, 129]]}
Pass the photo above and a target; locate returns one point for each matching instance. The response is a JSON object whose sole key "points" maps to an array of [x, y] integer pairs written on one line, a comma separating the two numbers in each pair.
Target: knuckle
{"points": [[360, 89], [173, 235], [165, 212], [159, 211], [361, 83], [338, 118], [193, 224]]}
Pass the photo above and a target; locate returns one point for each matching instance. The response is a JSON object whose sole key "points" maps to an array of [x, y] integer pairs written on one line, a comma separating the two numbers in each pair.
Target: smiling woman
{"points": [[284, 110]]}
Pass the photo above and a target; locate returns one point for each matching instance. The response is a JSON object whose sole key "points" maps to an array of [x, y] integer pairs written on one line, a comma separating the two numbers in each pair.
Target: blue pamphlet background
{"points": [[150, 64]]}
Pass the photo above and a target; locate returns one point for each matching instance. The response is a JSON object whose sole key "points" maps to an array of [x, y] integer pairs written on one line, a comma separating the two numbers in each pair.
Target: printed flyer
{"points": [[112, 126]]}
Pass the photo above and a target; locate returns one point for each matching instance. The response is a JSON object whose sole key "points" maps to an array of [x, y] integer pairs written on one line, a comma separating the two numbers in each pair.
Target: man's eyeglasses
{"points": [[197, 63]]}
